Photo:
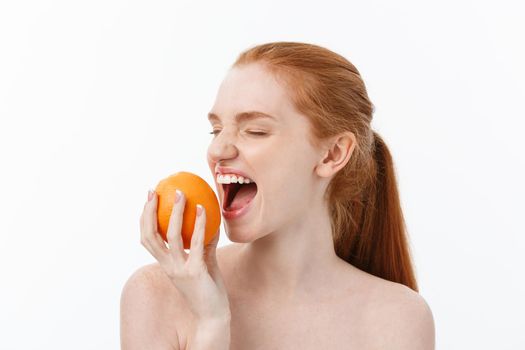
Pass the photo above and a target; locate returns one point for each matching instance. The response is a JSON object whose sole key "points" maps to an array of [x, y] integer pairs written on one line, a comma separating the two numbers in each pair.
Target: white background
{"points": [[99, 100]]}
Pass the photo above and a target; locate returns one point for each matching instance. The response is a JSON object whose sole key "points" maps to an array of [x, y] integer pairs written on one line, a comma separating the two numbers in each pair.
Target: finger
{"points": [[157, 235], [174, 229], [210, 248], [211, 259], [197, 238], [150, 236]]}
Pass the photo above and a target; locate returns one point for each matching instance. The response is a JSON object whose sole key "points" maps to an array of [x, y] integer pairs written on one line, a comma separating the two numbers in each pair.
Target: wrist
{"points": [[218, 320], [211, 334]]}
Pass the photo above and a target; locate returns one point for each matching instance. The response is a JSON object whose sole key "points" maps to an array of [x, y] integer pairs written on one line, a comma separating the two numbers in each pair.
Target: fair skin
{"points": [[291, 177], [286, 286]]}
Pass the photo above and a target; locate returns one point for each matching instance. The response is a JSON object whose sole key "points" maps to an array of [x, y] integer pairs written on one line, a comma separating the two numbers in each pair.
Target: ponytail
{"points": [[376, 237]]}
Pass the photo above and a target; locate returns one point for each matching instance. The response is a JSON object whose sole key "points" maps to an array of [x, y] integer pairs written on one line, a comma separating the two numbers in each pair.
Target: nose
{"points": [[222, 147]]}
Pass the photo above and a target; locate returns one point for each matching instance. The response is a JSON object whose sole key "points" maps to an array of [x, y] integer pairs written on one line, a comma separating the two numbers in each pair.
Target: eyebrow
{"points": [[244, 116]]}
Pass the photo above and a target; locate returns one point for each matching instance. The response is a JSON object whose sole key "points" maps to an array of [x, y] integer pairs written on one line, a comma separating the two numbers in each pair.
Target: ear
{"points": [[338, 153]]}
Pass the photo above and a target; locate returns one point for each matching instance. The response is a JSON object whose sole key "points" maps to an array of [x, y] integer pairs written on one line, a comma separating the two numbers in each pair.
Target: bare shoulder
{"points": [[152, 281], [151, 310], [399, 318]]}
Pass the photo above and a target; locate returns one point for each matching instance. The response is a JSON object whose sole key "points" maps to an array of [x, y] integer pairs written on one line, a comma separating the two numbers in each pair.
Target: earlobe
{"points": [[323, 169]]}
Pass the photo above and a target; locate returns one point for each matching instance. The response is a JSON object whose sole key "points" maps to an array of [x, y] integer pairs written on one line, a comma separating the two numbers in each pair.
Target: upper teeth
{"points": [[228, 179]]}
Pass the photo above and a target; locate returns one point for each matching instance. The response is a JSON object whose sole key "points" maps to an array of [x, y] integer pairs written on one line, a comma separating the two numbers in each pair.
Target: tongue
{"points": [[243, 196]]}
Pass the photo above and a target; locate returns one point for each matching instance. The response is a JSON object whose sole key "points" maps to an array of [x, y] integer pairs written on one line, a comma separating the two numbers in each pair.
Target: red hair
{"points": [[367, 222]]}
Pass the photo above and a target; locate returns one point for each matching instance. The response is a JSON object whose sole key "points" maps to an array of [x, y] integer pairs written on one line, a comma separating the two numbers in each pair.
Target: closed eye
{"points": [[257, 133]]}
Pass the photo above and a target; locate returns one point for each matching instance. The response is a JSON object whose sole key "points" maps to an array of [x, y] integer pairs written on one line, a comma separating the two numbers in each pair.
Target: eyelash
{"points": [[253, 133]]}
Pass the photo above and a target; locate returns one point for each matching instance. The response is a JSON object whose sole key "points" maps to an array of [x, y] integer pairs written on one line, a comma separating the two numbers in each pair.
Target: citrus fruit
{"points": [[197, 191]]}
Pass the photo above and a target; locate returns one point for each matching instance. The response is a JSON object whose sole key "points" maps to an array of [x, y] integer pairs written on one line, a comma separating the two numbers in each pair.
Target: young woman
{"points": [[320, 258]]}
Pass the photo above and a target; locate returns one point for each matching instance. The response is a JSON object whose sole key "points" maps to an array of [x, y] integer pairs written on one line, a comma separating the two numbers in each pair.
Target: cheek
{"points": [[282, 204], [287, 186], [283, 194], [283, 169]]}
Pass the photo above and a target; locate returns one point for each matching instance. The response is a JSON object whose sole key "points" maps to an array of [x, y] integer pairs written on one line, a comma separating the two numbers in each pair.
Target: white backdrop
{"points": [[99, 100]]}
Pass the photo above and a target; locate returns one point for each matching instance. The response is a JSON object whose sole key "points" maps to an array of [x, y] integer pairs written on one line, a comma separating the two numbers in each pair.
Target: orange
{"points": [[197, 191]]}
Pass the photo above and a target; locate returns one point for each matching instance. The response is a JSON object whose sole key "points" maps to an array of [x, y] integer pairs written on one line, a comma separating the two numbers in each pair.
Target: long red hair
{"points": [[367, 222]]}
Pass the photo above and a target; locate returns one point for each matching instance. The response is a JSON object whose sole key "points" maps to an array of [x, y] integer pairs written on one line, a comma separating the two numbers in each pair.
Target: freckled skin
{"points": [[288, 211]]}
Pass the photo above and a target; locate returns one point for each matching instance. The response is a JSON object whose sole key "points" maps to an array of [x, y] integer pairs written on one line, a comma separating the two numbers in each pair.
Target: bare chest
{"points": [[303, 326], [329, 321]]}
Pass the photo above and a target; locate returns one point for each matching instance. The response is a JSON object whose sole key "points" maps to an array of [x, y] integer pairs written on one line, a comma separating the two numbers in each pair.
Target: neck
{"points": [[296, 261]]}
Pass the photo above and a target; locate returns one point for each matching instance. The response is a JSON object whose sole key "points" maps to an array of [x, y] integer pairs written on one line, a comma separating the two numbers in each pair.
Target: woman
{"points": [[320, 259]]}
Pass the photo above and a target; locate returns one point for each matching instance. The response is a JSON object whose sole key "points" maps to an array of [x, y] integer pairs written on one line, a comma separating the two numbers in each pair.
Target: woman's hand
{"points": [[196, 275]]}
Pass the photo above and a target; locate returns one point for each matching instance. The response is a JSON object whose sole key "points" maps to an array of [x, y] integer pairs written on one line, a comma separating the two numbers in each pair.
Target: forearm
{"points": [[210, 335]]}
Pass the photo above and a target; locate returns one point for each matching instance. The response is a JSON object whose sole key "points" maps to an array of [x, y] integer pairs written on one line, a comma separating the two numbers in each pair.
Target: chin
{"points": [[239, 235]]}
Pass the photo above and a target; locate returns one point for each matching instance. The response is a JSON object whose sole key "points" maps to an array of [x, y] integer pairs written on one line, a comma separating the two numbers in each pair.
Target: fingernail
{"points": [[150, 195], [199, 210], [178, 194]]}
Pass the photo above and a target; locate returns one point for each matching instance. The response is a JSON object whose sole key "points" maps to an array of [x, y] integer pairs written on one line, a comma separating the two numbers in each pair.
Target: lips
{"points": [[229, 170]]}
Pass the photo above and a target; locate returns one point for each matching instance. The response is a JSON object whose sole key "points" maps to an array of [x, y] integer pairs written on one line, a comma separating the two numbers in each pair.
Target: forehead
{"points": [[251, 88]]}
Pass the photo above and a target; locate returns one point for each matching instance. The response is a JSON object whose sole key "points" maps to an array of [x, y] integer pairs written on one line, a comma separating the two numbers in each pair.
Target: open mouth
{"points": [[237, 196]]}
